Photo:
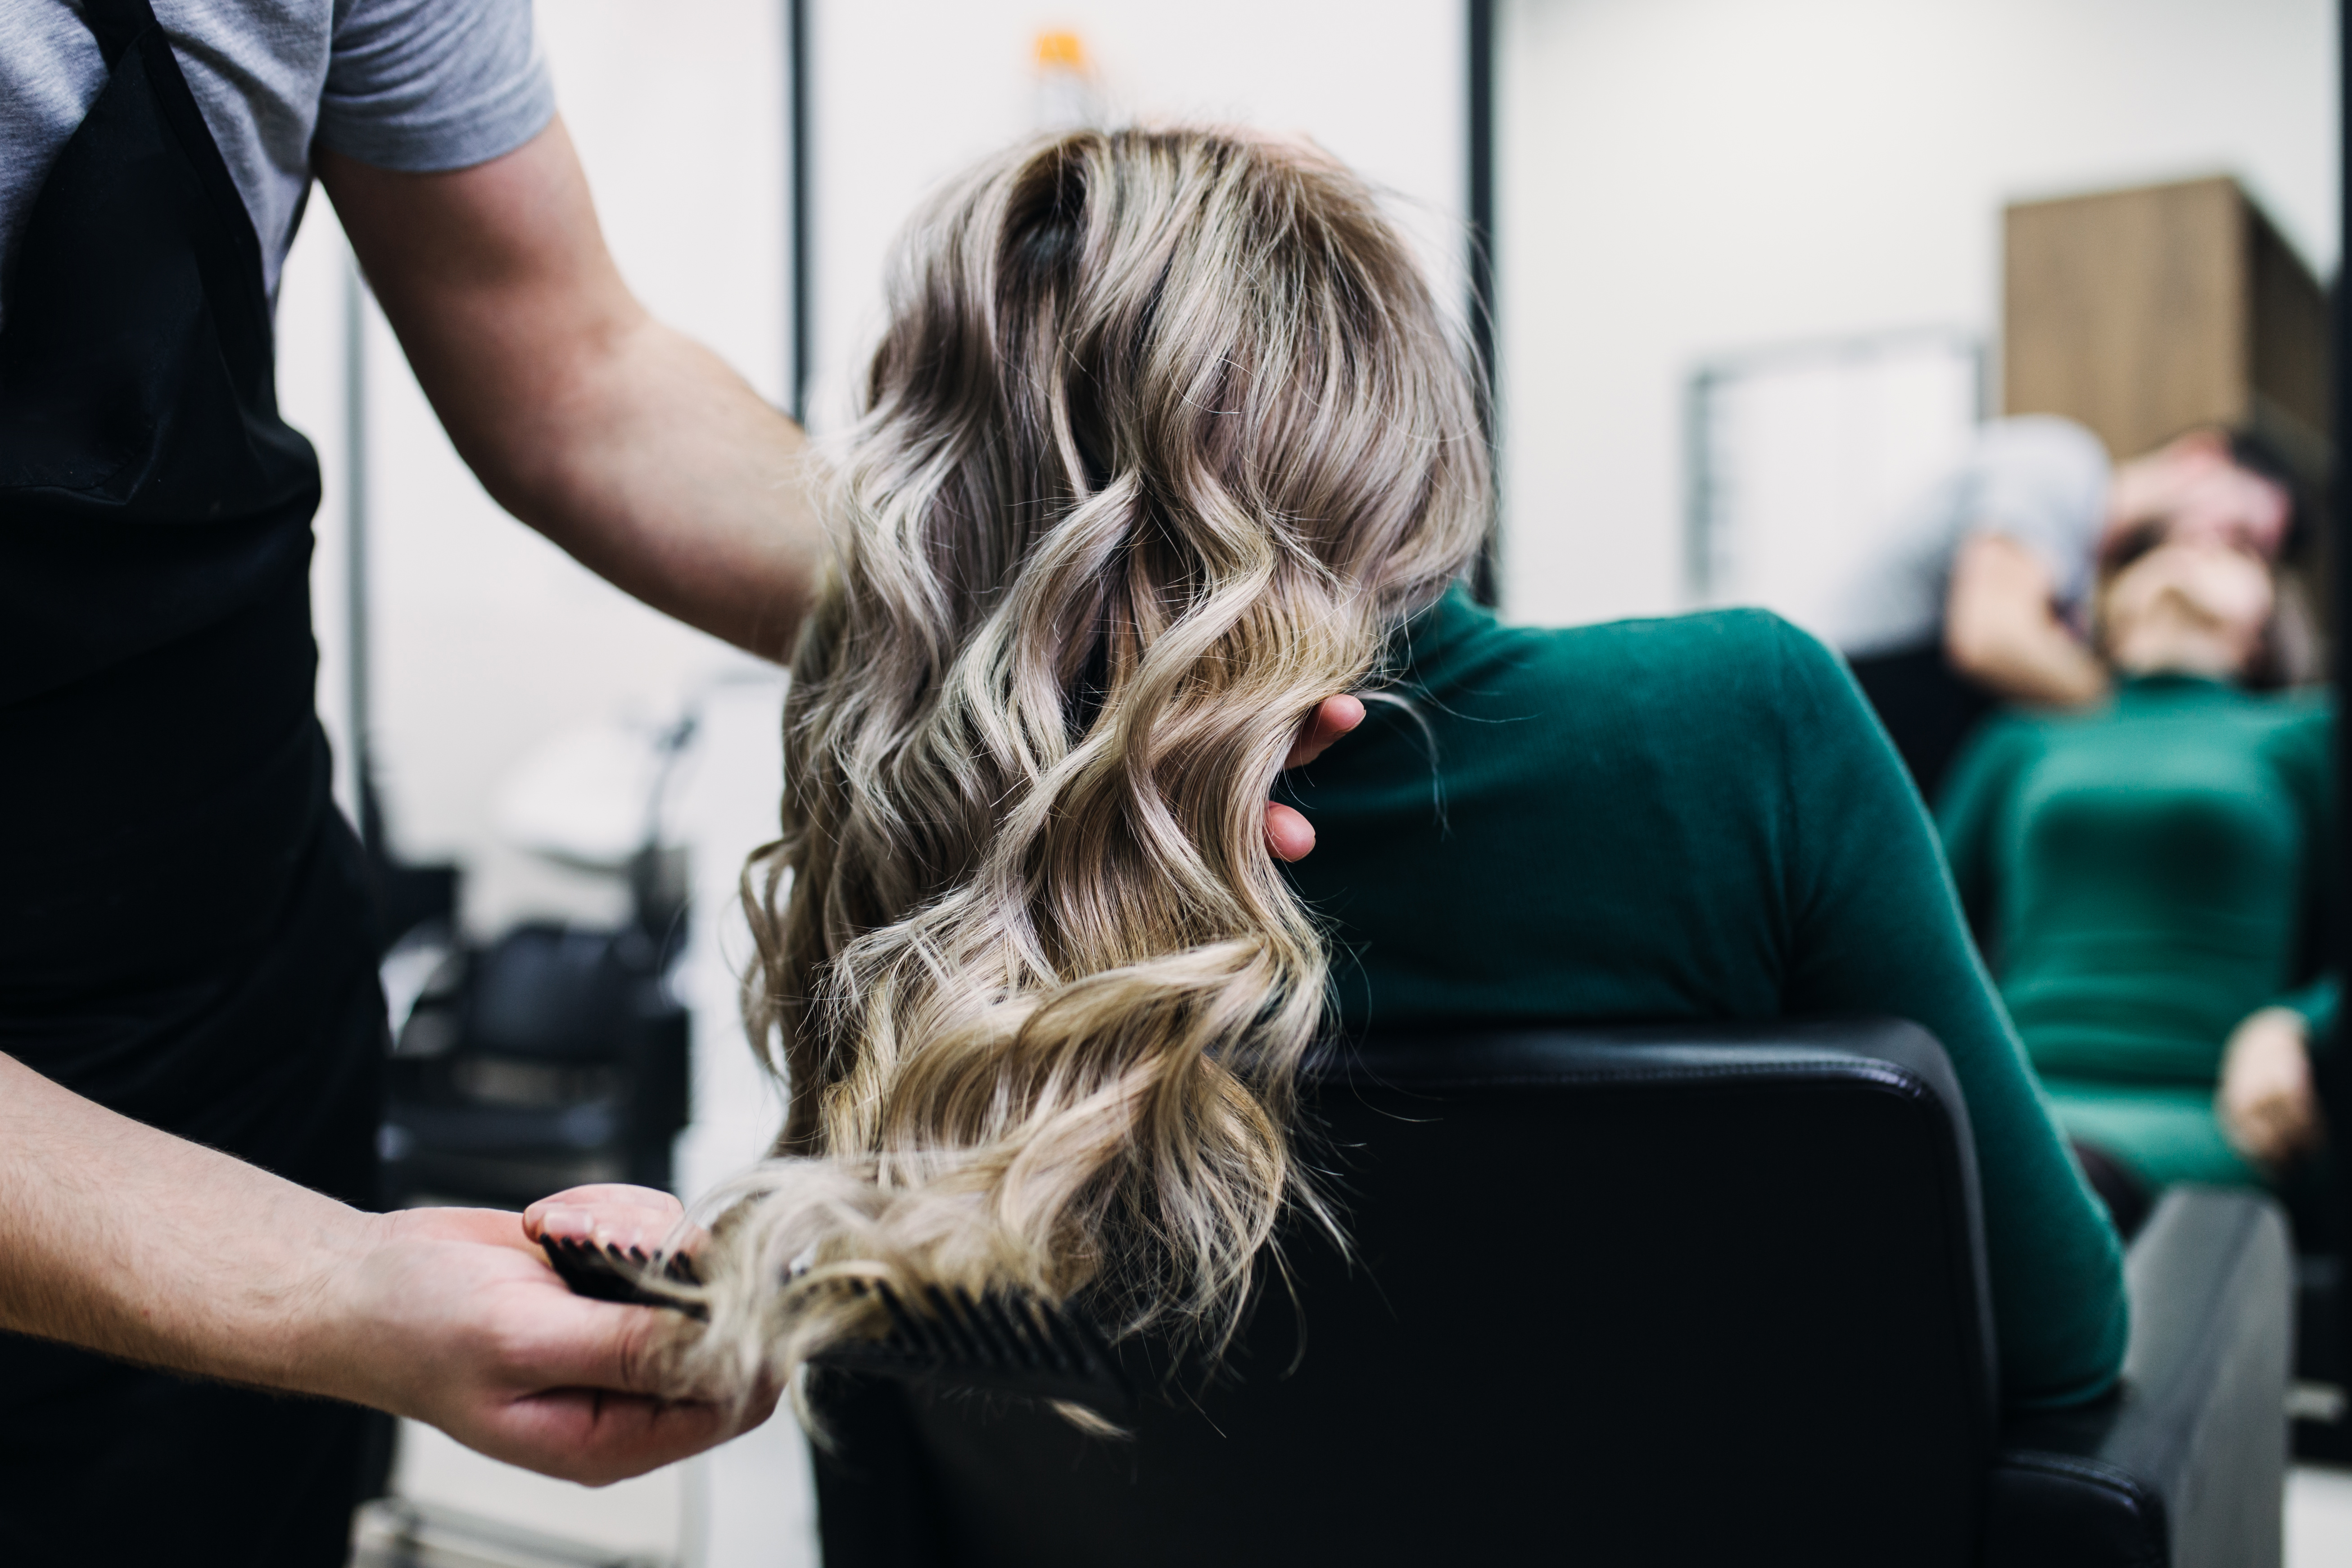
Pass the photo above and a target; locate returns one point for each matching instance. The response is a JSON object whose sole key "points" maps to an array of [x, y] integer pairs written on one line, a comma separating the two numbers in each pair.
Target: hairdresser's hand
{"points": [[454, 1318], [2266, 1104], [1287, 834]]}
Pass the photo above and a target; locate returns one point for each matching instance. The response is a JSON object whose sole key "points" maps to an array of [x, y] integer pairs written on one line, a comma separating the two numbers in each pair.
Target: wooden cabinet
{"points": [[2142, 313]]}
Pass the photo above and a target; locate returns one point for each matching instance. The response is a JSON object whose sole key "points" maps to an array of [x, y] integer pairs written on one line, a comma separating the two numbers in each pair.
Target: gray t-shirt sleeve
{"points": [[2042, 482], [422, 85]]}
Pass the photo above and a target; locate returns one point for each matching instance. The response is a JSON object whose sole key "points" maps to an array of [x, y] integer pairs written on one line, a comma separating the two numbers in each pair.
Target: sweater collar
{"points": [[2174, 686]]}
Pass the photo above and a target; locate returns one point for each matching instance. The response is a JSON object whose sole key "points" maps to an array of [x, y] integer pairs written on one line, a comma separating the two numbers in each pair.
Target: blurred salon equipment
{"points": [[553, 1055], [1680, 1296]]}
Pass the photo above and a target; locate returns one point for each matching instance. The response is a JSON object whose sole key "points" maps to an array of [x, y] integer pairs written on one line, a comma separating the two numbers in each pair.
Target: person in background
{"points": [[1973, 597], [2148, 878]]}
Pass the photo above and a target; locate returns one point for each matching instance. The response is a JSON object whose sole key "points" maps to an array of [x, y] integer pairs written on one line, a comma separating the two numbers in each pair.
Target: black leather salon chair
{"points": [[1711, 1296]]}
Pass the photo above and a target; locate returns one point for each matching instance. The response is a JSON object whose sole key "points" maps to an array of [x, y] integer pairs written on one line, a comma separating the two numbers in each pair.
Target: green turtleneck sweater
{"points": [[1695, 819], [2144, 877]]}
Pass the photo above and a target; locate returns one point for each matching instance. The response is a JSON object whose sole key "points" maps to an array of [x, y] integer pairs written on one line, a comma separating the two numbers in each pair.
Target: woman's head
{"points": [[1118, 363], [2224, 486], [2190, 569], [2194, 607], [1164, 437]]}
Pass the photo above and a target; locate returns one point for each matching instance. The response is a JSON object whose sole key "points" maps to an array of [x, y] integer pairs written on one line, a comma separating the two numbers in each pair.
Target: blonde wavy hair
{"points": [[1165, 438]]}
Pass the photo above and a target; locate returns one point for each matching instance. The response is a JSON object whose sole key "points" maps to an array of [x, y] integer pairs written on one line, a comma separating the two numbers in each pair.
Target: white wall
{"points": [[904, 96], [1677, 179]]}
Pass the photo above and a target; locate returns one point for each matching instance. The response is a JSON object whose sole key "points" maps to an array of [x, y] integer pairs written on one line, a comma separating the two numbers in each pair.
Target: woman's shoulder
{"points": [[2012, 731], [1666, 682], [1712, 652], [2299, 725], [2301, 707], [1746, 666]]}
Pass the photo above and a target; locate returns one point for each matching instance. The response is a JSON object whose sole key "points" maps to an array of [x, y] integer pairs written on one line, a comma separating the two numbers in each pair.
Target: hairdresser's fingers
{"points": [[606, 1192], [1289, 836], [1332, 718], [610, 1213], [575, 1342], [618, 1225], [456, 1319]]}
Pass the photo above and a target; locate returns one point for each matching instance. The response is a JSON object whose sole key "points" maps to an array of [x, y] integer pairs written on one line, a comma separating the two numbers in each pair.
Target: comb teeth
{"points": [[996, 1342], [951, 1339], [607, 1273]]}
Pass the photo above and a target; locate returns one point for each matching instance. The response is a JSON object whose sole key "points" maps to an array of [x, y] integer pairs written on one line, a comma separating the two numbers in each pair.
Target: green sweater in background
{"points": [[1694, 818], [2144, 877]]}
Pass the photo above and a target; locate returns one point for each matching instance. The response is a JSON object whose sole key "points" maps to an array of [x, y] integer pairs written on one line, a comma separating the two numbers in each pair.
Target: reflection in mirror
{"points": [[1745, 248], [1987, 340]]}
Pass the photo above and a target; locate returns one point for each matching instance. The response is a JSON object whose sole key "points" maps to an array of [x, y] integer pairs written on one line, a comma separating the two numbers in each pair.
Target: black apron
{"points": [[184, 926]]}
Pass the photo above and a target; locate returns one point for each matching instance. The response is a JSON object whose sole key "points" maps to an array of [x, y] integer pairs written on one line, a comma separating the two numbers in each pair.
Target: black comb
{"points": [[951, 1339], [1001, 1341], [610, 1273]]}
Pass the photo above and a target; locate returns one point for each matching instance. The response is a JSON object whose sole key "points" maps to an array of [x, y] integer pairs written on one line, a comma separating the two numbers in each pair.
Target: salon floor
{"points": [[747, 1505], [457, 1509]]}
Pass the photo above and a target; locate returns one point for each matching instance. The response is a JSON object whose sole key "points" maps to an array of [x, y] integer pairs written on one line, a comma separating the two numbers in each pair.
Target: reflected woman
{"points": [[2147, 879]]}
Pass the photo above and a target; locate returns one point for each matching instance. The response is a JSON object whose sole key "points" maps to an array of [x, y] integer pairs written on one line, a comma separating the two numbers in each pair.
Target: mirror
{"points": [[1717, 219]]}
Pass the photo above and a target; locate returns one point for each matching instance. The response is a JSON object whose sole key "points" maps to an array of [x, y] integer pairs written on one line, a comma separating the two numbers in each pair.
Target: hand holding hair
{"points": [[469, 1330], [1288, 833]]}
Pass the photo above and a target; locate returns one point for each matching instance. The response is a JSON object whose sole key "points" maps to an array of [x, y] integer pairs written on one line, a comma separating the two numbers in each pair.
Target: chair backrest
{"points": [[1706, 1295]]}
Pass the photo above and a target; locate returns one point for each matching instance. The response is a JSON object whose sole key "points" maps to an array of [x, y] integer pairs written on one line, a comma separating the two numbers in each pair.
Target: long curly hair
{"points": [[1164, 439]]}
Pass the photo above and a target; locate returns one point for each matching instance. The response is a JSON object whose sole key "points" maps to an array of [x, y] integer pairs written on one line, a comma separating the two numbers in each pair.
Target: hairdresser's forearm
{"points": [[2030, 661], [631, 446], [659, 469], [122, 1239], [2000, 632]]}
